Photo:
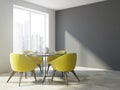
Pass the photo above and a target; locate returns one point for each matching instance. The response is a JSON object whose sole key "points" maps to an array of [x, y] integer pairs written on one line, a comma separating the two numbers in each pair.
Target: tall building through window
{"points": [[30, 30]]}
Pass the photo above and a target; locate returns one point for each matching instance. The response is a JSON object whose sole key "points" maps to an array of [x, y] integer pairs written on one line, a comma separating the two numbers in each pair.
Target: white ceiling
{"points": [[62, 4]]}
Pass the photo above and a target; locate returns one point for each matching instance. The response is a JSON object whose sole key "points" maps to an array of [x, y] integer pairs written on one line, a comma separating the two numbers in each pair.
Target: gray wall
{"points": [[93, 31]]}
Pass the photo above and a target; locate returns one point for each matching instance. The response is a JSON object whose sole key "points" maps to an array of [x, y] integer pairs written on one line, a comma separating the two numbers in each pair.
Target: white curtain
{"points": [[29, 31]]}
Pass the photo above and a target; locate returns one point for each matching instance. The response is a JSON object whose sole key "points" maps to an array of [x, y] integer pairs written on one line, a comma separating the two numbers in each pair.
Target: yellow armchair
{"points": [[65, 63], [38, 59], [50, 58], [20, 63]]}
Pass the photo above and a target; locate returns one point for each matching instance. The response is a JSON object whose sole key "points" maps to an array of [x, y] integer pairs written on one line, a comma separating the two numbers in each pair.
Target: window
{"points": [[30, 30]]}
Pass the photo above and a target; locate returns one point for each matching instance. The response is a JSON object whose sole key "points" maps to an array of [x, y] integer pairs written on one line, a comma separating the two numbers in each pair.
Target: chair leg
{"points": [[25, 74], [13, 72], [75, 75], [20, 78], [34, 75], [31, 73], [53, 74], [66, 77], [48, 68], [62, 75], [40, 69]]}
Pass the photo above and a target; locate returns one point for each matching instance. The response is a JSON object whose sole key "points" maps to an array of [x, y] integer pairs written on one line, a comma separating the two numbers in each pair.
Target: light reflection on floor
{"points": [[90, 79]]}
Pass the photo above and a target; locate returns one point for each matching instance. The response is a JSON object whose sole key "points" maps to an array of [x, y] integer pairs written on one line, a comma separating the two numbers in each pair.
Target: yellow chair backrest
{"points": [[38, 59], [21, 63], [61, 52], [58, 53], [27, 51], [64, 63]]}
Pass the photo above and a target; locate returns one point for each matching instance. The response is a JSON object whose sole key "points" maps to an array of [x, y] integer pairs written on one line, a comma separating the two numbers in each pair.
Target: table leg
{"points": [[42, 65], [45, 69]]}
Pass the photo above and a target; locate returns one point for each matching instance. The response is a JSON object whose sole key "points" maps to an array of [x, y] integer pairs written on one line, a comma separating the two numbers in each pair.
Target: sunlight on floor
{"points": [[90, 79]]}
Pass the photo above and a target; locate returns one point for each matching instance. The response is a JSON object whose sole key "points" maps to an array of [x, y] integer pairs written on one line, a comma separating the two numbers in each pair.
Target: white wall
{"points": [[6, 29], [5, 34]]}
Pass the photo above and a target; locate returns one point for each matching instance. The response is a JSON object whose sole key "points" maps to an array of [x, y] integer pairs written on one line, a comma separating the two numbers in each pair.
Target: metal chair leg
{"points": [[13, 72], [75, 75]]}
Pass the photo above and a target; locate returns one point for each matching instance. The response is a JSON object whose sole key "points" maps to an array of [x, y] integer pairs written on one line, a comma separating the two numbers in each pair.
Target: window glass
{"points": [[30, 30]]}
